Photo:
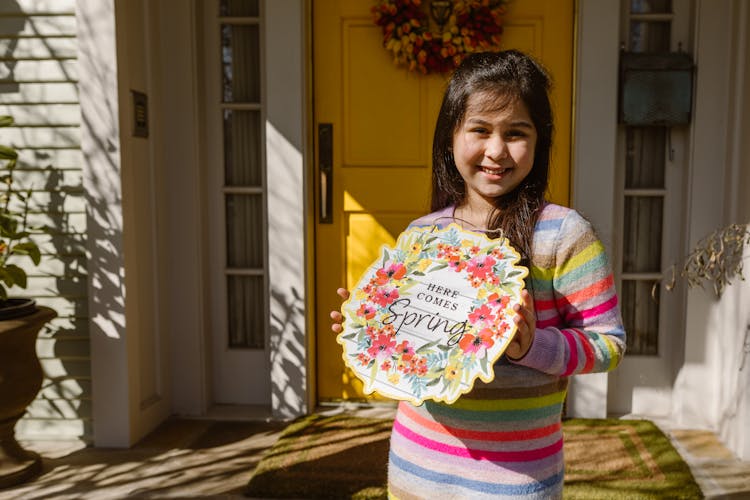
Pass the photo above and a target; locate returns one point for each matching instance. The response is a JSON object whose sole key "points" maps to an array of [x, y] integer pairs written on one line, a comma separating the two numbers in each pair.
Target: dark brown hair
{"points": [[503, 77]]}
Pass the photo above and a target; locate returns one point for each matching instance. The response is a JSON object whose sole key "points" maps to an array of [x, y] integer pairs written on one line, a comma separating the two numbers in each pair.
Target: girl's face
{"points": [[493, 149]]}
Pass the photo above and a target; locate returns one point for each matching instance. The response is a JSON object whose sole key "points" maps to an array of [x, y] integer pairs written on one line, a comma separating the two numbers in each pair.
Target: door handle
{"points": [[325, 167]]}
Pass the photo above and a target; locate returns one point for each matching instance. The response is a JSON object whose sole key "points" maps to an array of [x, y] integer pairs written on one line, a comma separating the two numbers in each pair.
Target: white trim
{"points": [[182, 156], [100, 143], [594, 147], [286, 154]]}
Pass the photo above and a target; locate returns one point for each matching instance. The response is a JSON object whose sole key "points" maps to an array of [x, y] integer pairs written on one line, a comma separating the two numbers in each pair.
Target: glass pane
{"points": [[643, 227], [650, 6], [646, 36], [242, 148], [246, 299], [240, 60], [239, 8], [644, 162], [640, 314], [245, 231]]}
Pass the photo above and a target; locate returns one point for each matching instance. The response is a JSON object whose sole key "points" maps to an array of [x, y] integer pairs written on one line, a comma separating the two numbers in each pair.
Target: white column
{"points": [[594, 152], [100, 144], [287, 201]]}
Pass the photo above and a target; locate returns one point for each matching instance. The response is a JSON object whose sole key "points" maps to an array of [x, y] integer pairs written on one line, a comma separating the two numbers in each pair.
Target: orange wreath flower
{"points": [[466, 26]]}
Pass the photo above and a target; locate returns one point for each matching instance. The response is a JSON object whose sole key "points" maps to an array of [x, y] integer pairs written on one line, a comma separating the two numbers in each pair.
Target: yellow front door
{"points": [[373, 129]]}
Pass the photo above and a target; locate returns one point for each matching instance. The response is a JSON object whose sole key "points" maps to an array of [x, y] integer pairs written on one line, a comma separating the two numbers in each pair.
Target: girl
{"points": [[491, 154]]}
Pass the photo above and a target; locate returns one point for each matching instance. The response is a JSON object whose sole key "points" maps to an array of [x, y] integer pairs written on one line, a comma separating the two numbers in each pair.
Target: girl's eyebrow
{"points": [[513, 124]]}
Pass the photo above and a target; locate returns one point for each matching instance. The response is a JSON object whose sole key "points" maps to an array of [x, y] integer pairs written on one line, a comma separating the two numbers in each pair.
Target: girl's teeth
{"points": [[494, 171]]}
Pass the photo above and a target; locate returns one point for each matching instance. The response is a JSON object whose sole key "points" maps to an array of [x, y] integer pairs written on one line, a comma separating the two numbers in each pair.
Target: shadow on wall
{"points": [[38, 88], [13, 22], [287, 347]]}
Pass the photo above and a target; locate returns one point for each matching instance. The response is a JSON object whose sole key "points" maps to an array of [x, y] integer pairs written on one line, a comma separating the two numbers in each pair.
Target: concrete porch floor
{"points": [[187, 458]]}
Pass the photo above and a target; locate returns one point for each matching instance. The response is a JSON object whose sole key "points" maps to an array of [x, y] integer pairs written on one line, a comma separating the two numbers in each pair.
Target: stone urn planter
{"points": [[20, 380]]}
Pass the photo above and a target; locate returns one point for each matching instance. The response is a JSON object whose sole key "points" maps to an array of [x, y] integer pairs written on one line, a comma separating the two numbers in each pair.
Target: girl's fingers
{"points": [[336, 317]]}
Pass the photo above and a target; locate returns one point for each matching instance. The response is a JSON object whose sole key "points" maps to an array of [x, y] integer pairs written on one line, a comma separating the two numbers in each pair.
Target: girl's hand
{"points": [[525, 320], [336, 318]]}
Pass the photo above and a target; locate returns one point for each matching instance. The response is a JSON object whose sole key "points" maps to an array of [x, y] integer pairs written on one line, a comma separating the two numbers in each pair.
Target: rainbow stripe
{"points": [[504, 439]]}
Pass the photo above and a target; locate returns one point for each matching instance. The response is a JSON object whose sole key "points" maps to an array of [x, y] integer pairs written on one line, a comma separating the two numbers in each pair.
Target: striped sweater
{"points": [[504, 439]]}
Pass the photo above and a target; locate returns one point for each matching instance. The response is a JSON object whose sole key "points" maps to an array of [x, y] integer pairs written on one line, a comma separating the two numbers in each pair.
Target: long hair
{"points": [[503, 77]]}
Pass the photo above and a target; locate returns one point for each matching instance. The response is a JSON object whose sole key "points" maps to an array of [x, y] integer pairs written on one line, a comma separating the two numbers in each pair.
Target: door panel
{"points": [[383, 118]]}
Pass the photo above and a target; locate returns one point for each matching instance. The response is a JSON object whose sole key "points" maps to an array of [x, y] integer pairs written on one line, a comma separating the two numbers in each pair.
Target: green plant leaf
{"points": [[7, 153], [28, 248], [16, 274], [6, 121], [427, 347]]}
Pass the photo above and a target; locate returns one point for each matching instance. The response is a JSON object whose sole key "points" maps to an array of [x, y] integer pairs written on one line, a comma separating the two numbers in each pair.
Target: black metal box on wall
{"points": [[656, 89]]}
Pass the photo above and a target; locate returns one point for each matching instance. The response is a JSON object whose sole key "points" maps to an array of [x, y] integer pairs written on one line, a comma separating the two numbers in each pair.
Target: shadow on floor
{"points": [[181, 458]]}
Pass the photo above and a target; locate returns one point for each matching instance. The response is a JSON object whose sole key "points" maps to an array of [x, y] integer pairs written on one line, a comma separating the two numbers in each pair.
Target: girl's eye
{"points": [[514, 134], [480, 130]]}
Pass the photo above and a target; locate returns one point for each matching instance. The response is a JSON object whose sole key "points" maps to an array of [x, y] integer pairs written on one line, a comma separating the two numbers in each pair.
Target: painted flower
{"points": [[498, 301], [382, 347], [366, 310], [424, 264], [482, 315], [476, 281], [416, 248], [363, 359], [498, 253], [421, 366], [392, 272], [394, 377], [480, 266], [385, 365], [501, 329], [452, 371], [385, 296], [477, 344], [405, 350], [457, 264]]}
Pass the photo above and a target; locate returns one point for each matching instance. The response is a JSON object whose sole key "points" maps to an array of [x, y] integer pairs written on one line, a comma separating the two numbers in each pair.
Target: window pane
{"points": [[240, 59], [239, 8], [644, 162], [640, 314], [245, 231], [650, 6], [643, 225], [245, 297], [649, 36], [242, 148]]}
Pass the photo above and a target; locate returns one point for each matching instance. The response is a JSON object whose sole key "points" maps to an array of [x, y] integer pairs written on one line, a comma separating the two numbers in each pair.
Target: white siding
{"points": [[38, 87]]}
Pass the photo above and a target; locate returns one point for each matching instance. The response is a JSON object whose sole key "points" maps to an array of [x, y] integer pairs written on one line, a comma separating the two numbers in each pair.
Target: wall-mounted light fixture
{"points": [[656, 89]]}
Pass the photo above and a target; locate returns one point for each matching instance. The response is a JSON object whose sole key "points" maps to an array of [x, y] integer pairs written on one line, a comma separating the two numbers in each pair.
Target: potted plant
{"points": [[20, 321]]}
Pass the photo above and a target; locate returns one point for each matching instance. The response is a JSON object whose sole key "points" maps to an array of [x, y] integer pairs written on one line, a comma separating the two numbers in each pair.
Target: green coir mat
{"points": [[346, 457]]}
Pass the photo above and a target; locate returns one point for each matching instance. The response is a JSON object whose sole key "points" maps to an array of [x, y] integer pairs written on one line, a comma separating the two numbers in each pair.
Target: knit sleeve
{"points": [[579, 328]]}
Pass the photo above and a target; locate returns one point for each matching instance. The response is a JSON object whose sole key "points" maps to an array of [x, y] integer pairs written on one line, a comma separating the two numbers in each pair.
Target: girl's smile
{"points": [[493, 150]]}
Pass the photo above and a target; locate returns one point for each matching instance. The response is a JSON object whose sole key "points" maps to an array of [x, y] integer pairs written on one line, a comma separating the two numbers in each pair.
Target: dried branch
{"points": [[716, 259]]}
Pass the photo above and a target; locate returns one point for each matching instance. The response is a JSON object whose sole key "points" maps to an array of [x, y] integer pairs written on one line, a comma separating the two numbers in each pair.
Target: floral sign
{"points": [[433, 314]]}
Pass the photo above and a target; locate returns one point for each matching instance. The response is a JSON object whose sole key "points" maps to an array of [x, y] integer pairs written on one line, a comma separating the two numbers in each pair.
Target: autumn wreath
{"points": [[462, 27]]}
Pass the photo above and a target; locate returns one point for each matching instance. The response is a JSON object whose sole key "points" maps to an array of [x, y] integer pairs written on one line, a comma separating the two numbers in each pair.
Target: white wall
{"points": [[711, 389], [39, 71]]}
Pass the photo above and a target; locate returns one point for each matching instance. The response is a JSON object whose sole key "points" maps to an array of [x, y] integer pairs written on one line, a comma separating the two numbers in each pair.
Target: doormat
{"points": [[346, 457]]}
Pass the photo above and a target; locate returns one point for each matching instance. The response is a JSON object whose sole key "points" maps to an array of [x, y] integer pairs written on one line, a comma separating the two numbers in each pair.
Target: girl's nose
{"points": [[496, 149]]}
